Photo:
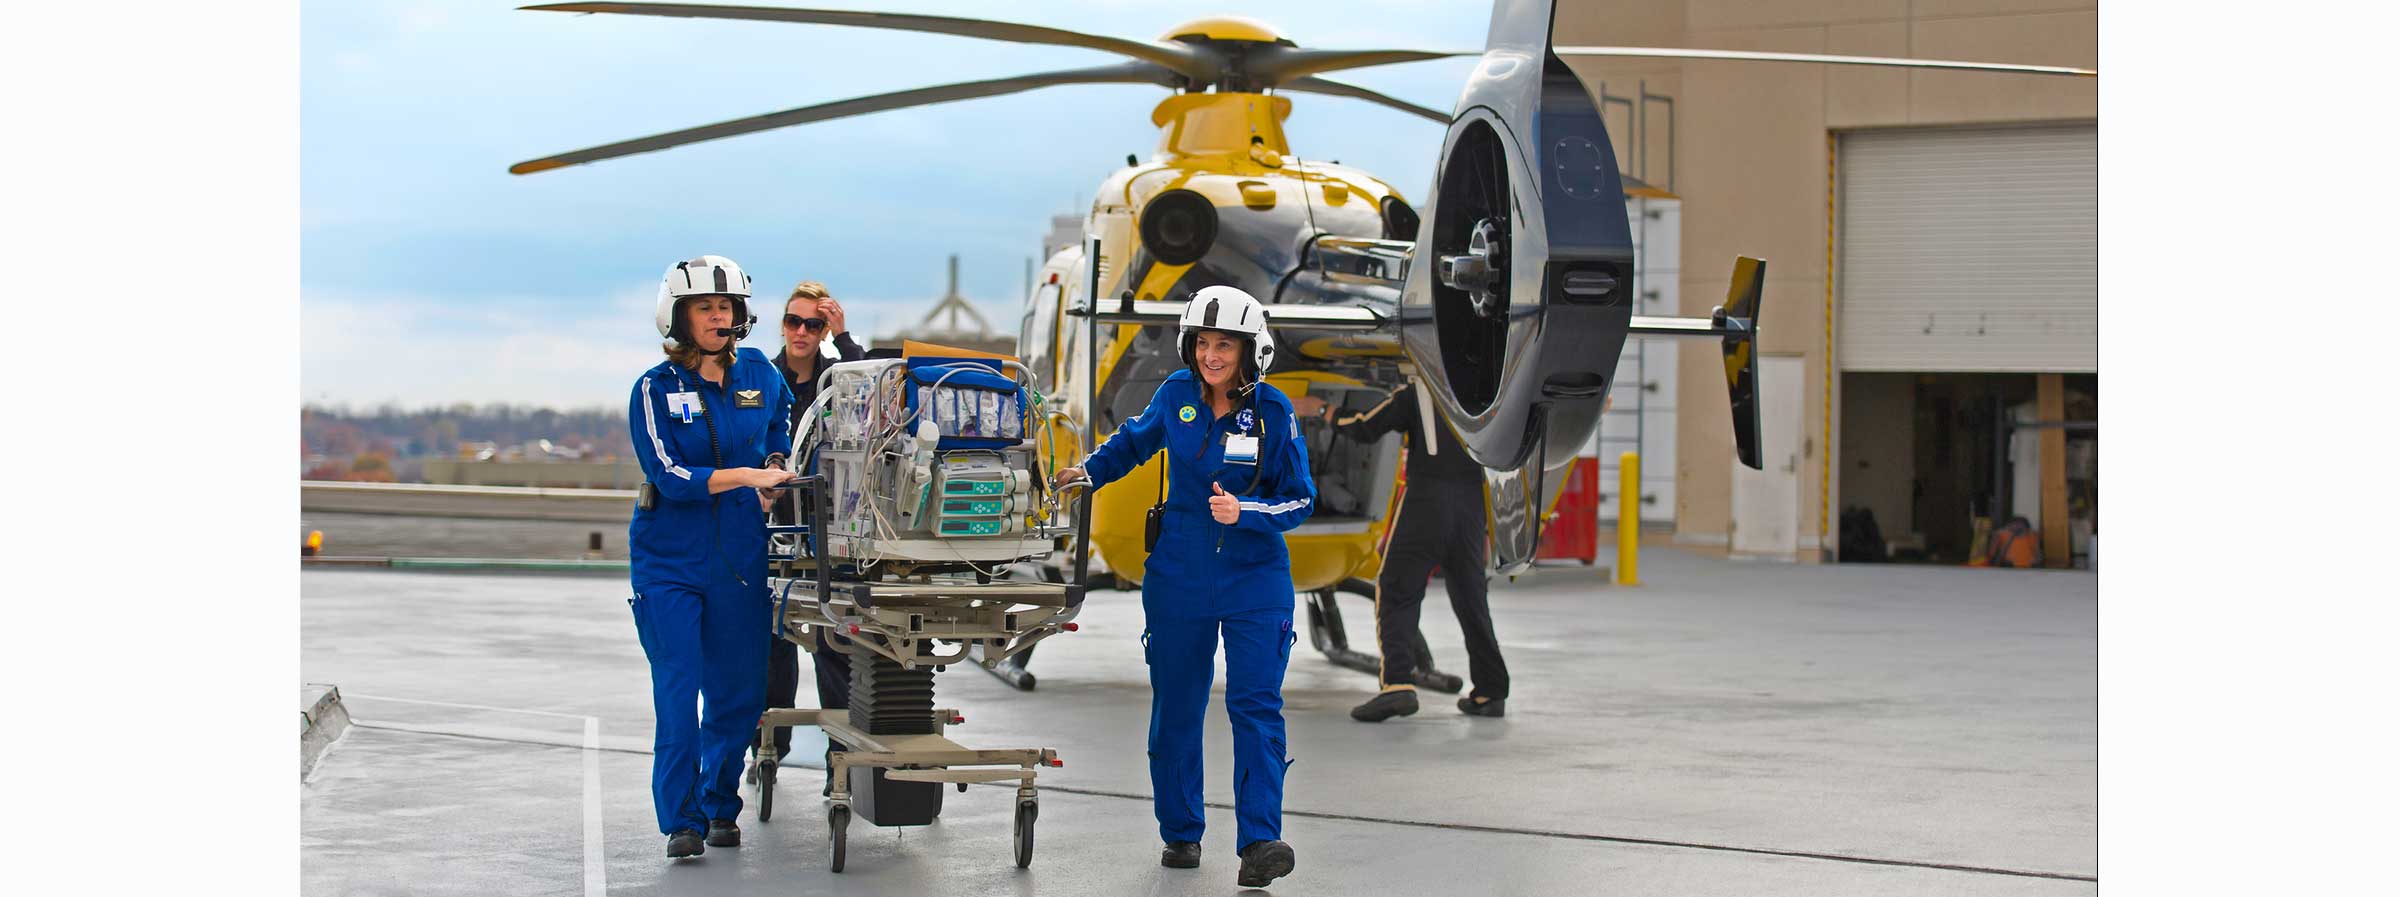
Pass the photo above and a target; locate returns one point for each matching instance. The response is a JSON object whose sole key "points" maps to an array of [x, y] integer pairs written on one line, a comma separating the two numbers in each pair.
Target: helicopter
{"points": [[1507, 298]]}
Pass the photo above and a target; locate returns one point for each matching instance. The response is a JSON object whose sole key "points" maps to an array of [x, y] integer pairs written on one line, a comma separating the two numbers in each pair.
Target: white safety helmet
{"points": [[708, 275], [1228, 310]]}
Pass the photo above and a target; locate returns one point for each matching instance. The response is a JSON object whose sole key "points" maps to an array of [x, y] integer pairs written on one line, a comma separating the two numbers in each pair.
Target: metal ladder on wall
{"points": [[1614, 430]]}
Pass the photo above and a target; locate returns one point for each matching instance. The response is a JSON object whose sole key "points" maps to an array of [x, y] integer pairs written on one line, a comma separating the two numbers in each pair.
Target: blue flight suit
{"points": [[1205, 578], [700, 578]]}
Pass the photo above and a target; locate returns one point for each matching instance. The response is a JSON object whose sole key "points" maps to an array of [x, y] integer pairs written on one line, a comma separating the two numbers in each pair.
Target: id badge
{"points": [[683, 405], [1241, 449]]}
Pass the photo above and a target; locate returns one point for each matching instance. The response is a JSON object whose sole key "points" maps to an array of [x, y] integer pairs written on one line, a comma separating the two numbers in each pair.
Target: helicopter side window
{"points": [[1037, 338], [1354, 477]]}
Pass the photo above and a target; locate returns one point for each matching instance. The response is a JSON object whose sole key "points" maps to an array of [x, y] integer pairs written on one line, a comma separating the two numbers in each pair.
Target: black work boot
{"points": [[1397, 702], [684, 843], [723, 833], [1264, 861], [1475, 705], [1180, 855]]}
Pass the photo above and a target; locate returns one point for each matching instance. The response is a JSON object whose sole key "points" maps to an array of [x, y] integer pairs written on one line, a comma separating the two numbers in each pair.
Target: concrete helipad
{"points": [[1726, 728]]}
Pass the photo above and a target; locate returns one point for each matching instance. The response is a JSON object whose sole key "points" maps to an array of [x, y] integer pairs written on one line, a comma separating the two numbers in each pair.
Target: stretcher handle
{"points": [[1083, 534], [810, 485]]}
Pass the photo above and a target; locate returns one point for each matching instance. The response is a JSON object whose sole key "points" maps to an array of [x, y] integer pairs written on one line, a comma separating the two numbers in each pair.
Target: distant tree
{"points": [[372, 467], [340, 433]]}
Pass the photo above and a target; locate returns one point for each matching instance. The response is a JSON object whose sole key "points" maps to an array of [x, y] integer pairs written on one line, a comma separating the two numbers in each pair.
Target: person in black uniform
{"points": [[1440, 522], [808, 315]]}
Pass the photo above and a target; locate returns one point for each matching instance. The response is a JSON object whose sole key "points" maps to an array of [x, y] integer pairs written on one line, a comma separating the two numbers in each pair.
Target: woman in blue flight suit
{"points": [[708, 425], [1237, 480]]}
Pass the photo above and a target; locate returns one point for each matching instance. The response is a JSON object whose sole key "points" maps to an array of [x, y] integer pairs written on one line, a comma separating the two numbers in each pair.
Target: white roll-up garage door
{"points": [[1970, 249]]}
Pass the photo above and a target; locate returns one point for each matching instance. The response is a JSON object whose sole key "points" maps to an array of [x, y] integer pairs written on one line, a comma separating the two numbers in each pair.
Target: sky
{"points": [[431, 276]]}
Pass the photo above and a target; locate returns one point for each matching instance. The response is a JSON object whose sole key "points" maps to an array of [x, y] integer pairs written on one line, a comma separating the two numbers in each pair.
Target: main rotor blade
{"points": [[1753, 56], [1339, 89], [1276, 65], [1182, 59], [1121, 73]]}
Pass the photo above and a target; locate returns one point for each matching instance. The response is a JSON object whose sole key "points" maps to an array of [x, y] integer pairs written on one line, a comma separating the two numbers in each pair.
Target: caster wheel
{"points": [[838, 819], [1026, 811], [962, 787], [766, 790]]}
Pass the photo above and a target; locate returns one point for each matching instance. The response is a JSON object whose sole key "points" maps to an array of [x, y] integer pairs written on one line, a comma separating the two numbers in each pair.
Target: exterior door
{"points": [[1970, 249], [1766, 503]]}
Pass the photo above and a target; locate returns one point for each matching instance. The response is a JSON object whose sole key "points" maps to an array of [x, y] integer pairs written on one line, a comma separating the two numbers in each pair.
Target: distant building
{"points": [[1942, 376], [535, 463], [1065, 231], [956, 323]]}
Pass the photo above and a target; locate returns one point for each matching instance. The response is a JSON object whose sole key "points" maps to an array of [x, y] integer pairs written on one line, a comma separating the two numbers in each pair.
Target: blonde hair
{"points": [[808, 289]]}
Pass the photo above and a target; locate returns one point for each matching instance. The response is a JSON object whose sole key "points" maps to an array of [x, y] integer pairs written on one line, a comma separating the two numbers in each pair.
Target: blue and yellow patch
{"points": [[1188, 414]]}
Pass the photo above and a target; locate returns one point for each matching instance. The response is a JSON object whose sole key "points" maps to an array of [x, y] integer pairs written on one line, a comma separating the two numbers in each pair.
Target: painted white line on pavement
{"points": [[595, 858], [595, 855], [466, 706]]}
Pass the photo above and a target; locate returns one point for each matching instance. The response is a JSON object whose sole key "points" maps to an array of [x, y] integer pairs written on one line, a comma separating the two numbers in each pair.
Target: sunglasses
{"points": [[814, 325]]}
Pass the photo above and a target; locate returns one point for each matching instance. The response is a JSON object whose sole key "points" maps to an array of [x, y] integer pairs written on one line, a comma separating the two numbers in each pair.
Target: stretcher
{"points": [[887, 594]]}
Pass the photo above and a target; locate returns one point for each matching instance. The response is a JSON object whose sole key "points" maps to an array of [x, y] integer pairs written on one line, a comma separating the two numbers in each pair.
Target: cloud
{"points": [[415, 351], [419, 351], [430, 276]]}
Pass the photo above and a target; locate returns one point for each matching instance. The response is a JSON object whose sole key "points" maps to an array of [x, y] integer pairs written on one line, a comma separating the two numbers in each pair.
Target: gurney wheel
{"points": [[838, 819], [1026, 811], [766, 790]]}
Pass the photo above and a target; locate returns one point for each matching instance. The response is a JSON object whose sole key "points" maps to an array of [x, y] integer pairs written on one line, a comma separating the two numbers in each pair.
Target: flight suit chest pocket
{"points": [[1186, 440]]}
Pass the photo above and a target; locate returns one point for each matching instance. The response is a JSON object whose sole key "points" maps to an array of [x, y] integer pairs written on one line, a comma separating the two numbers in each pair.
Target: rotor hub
{"points": [[1480, 270]]}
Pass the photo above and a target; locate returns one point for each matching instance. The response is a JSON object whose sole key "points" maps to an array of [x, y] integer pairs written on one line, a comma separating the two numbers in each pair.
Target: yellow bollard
{"points": [[1629, 517]]}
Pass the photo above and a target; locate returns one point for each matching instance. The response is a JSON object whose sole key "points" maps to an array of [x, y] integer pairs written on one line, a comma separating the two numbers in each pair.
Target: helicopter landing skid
{"points": [[1332, 639], [1012, 670]]}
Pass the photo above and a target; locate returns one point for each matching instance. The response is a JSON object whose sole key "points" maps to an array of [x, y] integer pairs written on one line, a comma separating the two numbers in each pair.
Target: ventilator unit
{"points": [[925, 460]]}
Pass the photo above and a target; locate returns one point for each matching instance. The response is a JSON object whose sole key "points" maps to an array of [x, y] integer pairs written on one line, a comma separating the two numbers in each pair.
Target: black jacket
{"points": [[1448, 464], [805, 394]]}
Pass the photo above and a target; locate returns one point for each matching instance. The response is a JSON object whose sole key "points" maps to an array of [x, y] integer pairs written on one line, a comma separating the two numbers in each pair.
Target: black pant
{"points": [[783, 665], [1441, 522], [783, 682]]}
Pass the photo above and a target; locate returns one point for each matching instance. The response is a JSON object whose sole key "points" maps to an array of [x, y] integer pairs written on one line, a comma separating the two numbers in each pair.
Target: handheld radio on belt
{"points": [[1158, 512]]}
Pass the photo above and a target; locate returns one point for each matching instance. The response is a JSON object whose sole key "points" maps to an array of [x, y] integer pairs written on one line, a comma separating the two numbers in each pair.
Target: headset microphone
{"points": [[738, 333]]}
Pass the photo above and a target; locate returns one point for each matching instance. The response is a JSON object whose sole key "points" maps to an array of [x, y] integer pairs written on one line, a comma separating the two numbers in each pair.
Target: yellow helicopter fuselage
{"points": [[1229, 149]]}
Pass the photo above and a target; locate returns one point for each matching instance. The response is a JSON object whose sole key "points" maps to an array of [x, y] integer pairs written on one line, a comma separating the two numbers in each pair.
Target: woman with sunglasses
{"points": [[808, 315]]}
